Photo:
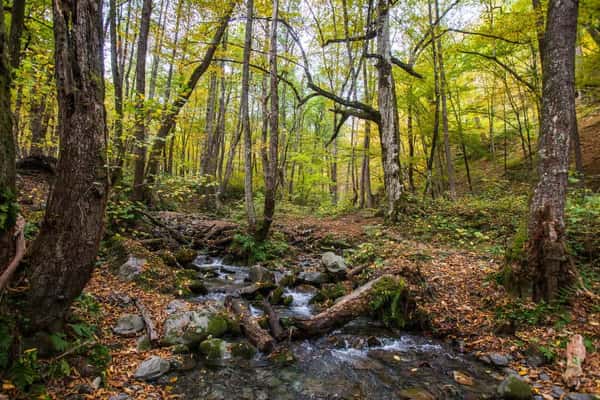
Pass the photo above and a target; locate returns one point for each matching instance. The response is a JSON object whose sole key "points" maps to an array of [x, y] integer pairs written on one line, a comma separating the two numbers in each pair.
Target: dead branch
{"points": [[19, 234], [253, 331], [147, 317]]}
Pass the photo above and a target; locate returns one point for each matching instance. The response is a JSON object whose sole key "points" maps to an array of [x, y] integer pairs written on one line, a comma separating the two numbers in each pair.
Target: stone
{"points": [[499, 360], [120, 396], [214, 349], [197, 287], [415, 394], [152, 368], [261, 274], [192, 327], [334, 264], [132, 268], [462, 378], [514, 388], [287, 279], [143, 343], [313, 278], [583, 396], [185, 256], [176, 305], [557, 392], [544, 377], [243, 350], [97, 382], [129, 325]]}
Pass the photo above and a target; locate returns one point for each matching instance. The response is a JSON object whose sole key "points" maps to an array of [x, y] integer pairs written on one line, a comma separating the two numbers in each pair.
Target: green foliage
{"points": [[386, 301], [583, 225], [365, 253], [247, 248], [121, 213], [9, 209], [521, 313]]}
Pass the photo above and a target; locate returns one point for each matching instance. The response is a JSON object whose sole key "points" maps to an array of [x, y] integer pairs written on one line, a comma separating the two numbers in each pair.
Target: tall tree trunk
{"points": [[16, 32], [8, 190], [548, 266], [245, 119], [117, 77], [271, 171], [140, 109], [37, 110], [436, 116], [388, 128], [63, 255], [168, 121]]}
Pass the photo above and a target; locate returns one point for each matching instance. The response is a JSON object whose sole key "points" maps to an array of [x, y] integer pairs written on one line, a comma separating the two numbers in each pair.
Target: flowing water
{"points": [[363, 360]]}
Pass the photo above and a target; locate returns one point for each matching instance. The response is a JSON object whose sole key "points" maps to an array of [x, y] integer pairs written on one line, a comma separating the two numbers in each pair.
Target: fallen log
{"points": [[253, 331], [147, 317], [172, 232], [274, 323], [375, 297]]}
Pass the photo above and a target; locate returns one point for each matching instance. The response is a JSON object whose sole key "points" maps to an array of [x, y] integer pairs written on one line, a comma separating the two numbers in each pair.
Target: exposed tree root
{"points": [[19, 234]]}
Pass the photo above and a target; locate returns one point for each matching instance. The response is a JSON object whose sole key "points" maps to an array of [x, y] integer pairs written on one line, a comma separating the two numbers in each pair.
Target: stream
{"points": [[363, 360]]}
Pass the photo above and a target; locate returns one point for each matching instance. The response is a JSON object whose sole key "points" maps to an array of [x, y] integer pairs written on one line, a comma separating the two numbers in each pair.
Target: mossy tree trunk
{"points": [[548, 265], [63, 255]]}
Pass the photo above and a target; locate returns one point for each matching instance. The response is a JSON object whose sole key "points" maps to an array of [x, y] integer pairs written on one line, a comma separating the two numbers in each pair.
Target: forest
{"points": [[302, 199]]}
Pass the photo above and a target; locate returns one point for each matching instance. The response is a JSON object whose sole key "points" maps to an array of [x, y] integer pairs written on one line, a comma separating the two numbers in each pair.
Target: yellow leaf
{"points": [[7, 385]]}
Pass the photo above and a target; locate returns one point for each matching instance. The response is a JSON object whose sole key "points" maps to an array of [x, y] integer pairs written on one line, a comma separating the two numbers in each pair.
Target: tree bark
{"points": [[63, 255], [271, 170], [245, 119], [548, 266], [117, 77], [139, 189], [388, 128], [7, 149]]}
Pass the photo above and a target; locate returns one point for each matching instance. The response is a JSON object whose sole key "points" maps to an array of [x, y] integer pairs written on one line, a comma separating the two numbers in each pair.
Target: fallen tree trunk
{"points": [[274, 322], [253, 331], [373, 297]]}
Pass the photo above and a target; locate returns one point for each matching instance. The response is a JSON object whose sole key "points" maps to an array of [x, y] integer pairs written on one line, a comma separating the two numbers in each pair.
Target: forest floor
{"points": [[464, 309], [467, 306]]}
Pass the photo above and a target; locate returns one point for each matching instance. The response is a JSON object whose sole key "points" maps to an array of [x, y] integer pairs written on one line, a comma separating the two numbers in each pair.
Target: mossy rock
{"points": [[180, 349], [287, 300], [287, 280], [213, 349], [185, 256], [197, 287], [243, 350], [217, 326], [514, 388]]}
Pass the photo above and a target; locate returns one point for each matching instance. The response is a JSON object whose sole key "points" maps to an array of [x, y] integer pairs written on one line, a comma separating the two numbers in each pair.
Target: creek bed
{"points": [[363, 360]]}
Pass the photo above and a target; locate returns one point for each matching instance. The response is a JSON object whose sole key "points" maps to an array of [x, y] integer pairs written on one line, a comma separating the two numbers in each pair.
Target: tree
{"points": [[140, 98], [63, 254], [271, 168], [388, 126], [245, 119], [548, 265]]}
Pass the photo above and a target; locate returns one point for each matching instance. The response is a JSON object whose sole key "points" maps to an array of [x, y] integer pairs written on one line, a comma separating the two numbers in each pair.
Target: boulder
{"points": [[197, 287], [152, 368], [333, 264], [243, 350], [499, 360], [514, 388], [261, 274], [192, 327], [185, 256], [129, 325], [132, 268], [313, 278], [176, 305], [214, 349]]}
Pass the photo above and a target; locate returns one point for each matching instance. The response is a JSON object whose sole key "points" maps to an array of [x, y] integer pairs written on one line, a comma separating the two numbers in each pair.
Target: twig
{"points": [[19, 253]]}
